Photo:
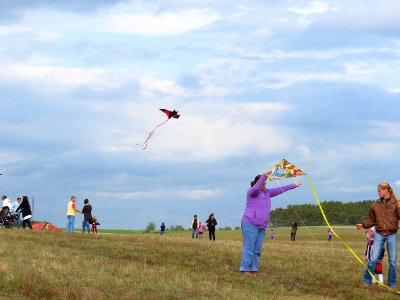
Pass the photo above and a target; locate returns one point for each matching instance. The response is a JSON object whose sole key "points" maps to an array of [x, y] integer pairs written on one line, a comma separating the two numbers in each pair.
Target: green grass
{"points": [[132, 265]]}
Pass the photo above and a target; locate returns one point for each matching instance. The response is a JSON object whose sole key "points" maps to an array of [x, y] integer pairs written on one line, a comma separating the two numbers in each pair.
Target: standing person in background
{"points": [[384, 214], [195, 227], [211, 223], [162, 227], [255, 219], [26, 212], [272, 234], [293, 232], [330, 233], [87, 216], [201, 230], [72, 210], [17, 215]]}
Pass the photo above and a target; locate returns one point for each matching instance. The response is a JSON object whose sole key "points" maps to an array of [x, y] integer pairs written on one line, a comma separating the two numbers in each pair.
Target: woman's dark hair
{"points": [[211, 215], [86, 201], [24, 198], [255, 180]]}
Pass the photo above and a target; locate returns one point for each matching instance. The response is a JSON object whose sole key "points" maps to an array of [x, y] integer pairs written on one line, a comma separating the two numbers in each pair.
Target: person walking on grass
{"points": [[162, 228], [255, 220], [87, 216], [384, 214], [201, 230], [195, 227], [211, 223], [72, 210], [272, 234], [26, 212], [293, 232]]}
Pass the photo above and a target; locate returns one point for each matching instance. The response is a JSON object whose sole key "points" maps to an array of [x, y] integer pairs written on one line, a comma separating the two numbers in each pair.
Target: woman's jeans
{"points": [[391, 244], [85, 224], [70, 224], [253, 239]]}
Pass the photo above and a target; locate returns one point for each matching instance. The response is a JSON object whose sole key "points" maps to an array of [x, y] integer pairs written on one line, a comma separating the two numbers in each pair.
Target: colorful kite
{"points": [[285, 169], [170, 114]]}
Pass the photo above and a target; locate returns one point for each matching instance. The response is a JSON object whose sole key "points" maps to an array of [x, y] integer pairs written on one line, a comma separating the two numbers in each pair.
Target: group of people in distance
{"points": [[383, 218], [21, 205], [88, 219], [198, 228]]}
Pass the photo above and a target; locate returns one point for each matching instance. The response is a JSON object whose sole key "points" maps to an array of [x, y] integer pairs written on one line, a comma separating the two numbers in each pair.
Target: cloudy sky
{"points": [[315, 82]]}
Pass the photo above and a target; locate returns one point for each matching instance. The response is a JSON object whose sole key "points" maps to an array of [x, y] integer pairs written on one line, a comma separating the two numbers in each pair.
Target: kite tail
{"points": [[347, 245], [151, 134]]}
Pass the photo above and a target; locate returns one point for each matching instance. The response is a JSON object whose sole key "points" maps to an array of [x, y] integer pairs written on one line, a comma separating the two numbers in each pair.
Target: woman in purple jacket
{"points": [[255, 220]]}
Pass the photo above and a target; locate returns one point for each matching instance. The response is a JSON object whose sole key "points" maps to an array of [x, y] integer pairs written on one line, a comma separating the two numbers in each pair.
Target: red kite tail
{"points": [[151, 134]]}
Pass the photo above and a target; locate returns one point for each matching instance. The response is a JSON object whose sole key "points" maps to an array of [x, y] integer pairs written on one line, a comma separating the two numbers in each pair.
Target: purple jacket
{"points": [[258, 205]]}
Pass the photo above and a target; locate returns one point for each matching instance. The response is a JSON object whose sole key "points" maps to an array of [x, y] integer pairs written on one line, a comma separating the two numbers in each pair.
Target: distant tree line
{"points": [[337, 213]]}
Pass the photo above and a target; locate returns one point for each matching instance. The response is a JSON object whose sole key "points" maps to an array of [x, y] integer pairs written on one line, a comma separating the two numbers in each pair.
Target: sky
{"points": [[82, 82]]}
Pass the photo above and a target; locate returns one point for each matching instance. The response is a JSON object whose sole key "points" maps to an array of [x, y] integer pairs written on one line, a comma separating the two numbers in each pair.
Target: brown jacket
{"points": [[384, 214]]}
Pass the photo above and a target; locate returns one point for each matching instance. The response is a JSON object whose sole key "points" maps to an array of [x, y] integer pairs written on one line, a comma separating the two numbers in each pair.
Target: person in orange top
{"points": [[72, 210]]}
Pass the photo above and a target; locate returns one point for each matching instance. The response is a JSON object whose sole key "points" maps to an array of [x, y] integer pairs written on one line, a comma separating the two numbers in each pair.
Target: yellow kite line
{"points": [[329, 225]]}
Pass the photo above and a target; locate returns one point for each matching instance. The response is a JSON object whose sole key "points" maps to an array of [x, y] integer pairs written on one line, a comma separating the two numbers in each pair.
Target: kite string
{"points": [[307, 228], [151, 134]]}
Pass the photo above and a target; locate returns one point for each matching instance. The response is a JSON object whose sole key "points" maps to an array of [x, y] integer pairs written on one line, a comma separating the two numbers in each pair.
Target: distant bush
{"points": [[150, 227], [177, 227], [225, 228]]}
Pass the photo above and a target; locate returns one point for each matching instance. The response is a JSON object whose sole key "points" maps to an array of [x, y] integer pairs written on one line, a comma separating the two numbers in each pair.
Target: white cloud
{"points": [[313, 8], [197, 193], [7, 31], [122, 20], [398, 182], [384, 128], [151, 85], [370, 18], [66, 78], [180, 193], [355, 189], [169, 23], [10, 157]]}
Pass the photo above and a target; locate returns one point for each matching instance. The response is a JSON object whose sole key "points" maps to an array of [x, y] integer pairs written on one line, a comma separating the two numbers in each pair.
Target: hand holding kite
{"points": [[170, 114]]}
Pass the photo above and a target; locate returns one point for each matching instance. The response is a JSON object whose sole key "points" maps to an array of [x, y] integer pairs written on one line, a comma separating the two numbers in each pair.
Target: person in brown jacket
{"points": [[384, 214]]}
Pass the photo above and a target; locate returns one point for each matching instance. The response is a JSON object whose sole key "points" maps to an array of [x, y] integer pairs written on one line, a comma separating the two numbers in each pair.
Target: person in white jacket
{"points": [[195, 227], [6, 202]]}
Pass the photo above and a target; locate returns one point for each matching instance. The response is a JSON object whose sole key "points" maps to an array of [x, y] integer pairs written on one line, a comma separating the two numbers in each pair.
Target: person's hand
{"points": [[267, 173], [298, 184], [366, 259], [359, 226]]}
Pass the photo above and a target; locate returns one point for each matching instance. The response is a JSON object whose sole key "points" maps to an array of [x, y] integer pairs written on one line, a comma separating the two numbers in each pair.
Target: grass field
{"points": [[42, 265]]}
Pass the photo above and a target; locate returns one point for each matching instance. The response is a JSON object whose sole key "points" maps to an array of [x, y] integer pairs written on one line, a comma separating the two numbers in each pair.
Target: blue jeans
{"points": [[391, 244], [70, 224], [85, 224], [197, 233], [253, 239], [18, 221]]}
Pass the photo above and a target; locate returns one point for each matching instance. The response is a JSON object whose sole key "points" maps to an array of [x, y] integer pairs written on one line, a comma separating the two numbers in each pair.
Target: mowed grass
{"points": [[49, 265]]}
